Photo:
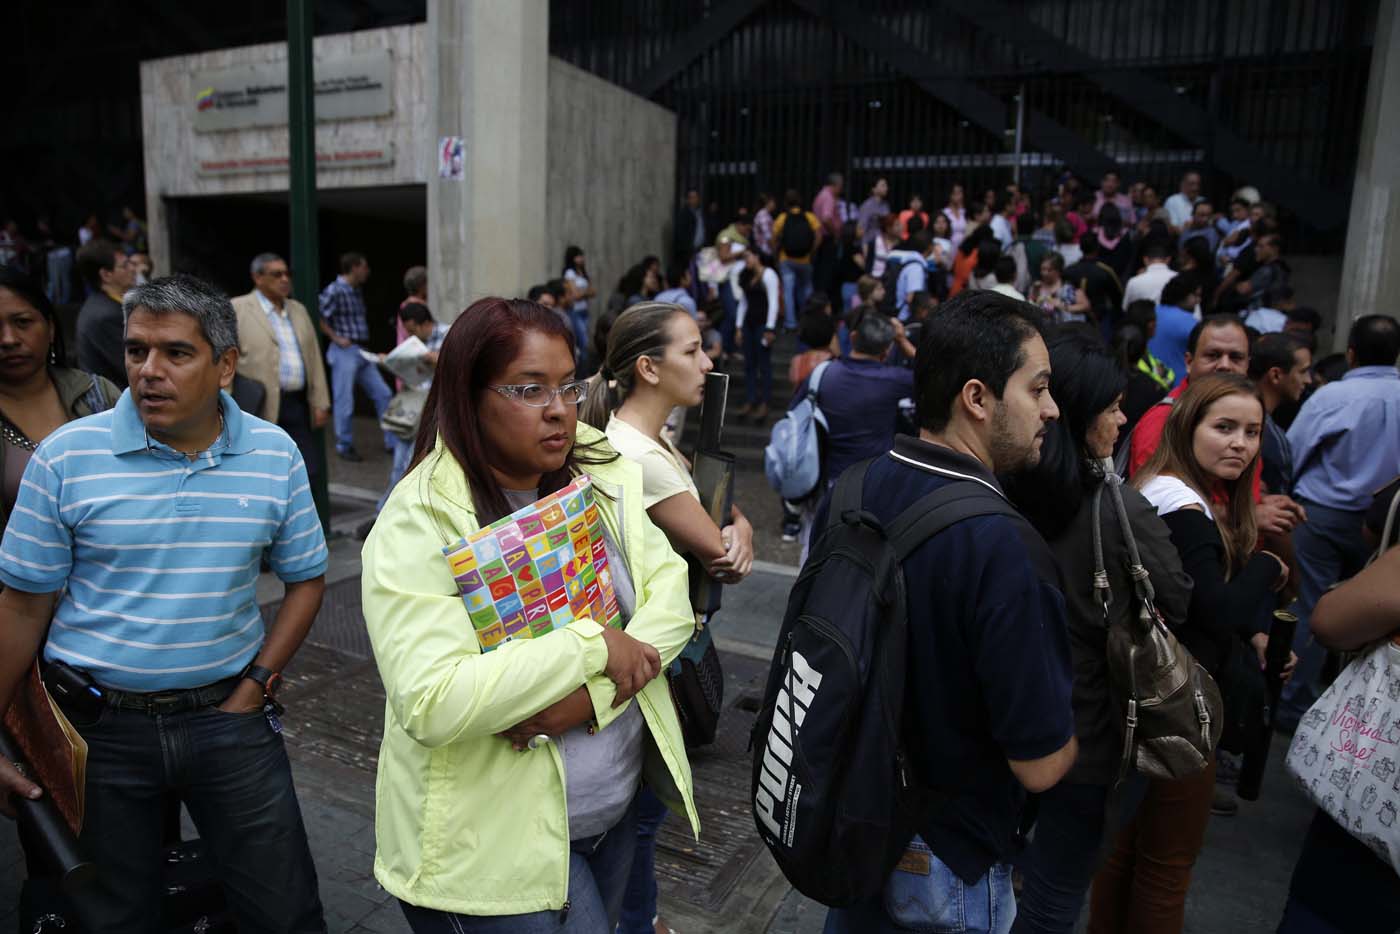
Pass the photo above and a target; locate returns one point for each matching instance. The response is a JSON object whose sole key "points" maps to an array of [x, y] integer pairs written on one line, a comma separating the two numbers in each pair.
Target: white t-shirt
{"points": [[663, 467], [1169, 494], [580, 284], [1147, 285]]}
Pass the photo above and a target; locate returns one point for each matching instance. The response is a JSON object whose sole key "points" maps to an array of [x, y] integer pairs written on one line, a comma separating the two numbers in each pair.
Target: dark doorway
{"points": [[216, 238]]}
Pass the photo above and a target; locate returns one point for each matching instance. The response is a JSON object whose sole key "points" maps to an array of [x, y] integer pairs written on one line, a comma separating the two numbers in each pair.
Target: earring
{"points": [[53, 355]]}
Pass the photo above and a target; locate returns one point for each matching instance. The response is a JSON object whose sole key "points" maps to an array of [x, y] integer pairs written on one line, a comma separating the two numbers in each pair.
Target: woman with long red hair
{"points": [[508, 779]]}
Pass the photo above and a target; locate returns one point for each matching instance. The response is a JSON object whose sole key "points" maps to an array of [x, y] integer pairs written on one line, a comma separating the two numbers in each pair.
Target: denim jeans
{"points": [[598, 871], [1329, 548], [758, 363], [936, 901], [60, 275], [1059, 862], [639, 904], [348, 370], [232, 773], [579, 320], [797, 285], [403, 456]]}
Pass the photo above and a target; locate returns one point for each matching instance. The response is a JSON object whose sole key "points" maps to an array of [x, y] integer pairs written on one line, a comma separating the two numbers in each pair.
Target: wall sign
{"points": [[256, 95], [366, 157]]}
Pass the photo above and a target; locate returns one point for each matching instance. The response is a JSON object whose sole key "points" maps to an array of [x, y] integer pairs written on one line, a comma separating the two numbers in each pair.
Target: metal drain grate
{"points": [[340, 625]]}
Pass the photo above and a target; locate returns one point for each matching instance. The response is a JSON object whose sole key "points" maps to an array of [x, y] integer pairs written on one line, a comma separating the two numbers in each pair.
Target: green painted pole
{"points": [[301, 130]]}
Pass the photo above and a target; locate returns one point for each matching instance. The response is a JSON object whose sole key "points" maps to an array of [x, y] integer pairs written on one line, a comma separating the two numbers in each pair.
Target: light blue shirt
{"points": [[1173, 334], [1346, 439], [913, 277], [158, 554], [291, 368], [680, 297]]}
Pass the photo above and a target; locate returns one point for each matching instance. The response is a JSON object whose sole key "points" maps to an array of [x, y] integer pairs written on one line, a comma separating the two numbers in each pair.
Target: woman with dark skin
{"points": [[38, 393]]}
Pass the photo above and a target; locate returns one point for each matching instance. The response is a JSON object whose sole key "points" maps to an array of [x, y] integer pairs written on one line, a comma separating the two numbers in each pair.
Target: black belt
{"points": [[168, 702]]}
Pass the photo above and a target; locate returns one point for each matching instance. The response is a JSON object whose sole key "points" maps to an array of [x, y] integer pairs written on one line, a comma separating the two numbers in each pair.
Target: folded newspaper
{"points": [[406, 362], [537, 569]]}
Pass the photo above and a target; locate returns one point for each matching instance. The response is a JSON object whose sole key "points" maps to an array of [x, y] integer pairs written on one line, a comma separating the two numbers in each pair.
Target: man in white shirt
{"points": [[1179, 205], [1002, 222], [277, 348], [1147, 285]]}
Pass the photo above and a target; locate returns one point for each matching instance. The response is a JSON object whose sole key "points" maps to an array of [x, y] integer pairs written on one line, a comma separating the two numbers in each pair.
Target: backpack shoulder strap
{"points": [[849, 493], [936, 511], [814, 380]]}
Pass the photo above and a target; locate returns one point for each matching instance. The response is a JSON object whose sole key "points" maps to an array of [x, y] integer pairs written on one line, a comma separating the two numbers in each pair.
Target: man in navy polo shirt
{"points": [[131, 561], [988, 700]]}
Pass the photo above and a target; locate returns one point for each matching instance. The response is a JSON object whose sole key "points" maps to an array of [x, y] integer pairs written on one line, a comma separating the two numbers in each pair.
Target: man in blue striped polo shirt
{"points": [[138, 534]]}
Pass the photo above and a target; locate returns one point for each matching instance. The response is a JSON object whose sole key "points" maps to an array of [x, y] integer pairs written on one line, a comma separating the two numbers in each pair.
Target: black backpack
{"points": [[890, 280], [834, 797], [798, 237]]}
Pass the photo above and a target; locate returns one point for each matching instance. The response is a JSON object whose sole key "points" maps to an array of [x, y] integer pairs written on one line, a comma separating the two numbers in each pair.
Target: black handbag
{"points": [[697, 687]]}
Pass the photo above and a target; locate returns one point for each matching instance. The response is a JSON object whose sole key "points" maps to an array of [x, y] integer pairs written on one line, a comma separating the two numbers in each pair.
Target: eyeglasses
{"points": [[277, 273], [539, 396]]}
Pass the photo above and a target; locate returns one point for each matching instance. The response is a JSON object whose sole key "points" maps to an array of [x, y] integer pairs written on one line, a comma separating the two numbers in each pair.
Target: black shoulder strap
{"points": [[936, 511], [849, 493]]}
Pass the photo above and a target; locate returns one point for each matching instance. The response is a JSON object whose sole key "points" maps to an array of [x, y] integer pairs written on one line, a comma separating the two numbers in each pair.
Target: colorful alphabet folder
{"points": [[537, 570]]}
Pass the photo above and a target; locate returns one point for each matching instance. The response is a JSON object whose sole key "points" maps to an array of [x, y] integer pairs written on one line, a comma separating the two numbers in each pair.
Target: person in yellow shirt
{"points": [[798, 235], [508, 780]]}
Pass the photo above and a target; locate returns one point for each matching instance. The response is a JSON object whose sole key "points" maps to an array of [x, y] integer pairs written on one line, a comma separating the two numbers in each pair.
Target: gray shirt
{"points": [[602, 769]]}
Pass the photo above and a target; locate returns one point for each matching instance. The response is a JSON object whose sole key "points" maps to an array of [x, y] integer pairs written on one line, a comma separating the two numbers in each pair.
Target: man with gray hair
{"points": [[130, 566], [277, 348]]}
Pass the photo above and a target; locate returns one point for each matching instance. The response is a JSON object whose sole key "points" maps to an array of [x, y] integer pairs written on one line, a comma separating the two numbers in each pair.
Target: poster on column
{"points": [[451, 150]]}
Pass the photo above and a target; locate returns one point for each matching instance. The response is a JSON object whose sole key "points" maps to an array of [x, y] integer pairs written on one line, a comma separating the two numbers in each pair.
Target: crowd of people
{"points": [[1095, 347]]}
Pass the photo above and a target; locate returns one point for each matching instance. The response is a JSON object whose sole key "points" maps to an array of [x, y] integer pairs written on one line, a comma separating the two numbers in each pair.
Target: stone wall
{"points": [[612, 159], [173, 150]]}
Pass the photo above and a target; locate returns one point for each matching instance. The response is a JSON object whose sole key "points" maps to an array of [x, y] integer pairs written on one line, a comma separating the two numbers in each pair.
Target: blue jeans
{"points": [[797, 286], [1059, 863], [349, 369], [579, 320], [758, 363], [598, 869], [231, 771], [639, 904], [403, 456], [937, 901], [1329, 548], [60, 275]]}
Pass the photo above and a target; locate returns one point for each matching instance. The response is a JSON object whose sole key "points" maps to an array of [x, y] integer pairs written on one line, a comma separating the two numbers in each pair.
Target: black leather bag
{"points": [[697, 687]]}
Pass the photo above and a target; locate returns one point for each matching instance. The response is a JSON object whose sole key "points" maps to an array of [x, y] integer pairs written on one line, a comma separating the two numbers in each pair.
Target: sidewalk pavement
{"points": [[726, 883]]}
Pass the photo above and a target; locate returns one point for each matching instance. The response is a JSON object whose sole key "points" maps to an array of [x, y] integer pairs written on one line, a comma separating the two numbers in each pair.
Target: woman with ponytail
{"points": [[654, 362]]}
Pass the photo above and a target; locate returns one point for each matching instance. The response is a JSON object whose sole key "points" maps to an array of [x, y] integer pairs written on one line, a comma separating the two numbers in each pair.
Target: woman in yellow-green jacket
{"points": [[507, 780]]}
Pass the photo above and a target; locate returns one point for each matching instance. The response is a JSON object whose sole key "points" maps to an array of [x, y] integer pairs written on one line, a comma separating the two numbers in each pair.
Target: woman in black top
{"points": [[1199, 482], [1056, 495]]}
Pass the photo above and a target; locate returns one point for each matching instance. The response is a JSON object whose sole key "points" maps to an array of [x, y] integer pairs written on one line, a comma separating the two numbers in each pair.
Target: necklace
{"points": [[12, 435]]}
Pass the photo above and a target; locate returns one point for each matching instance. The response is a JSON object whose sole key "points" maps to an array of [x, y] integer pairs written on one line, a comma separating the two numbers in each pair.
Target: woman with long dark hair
{"points": [[655, 362], [1087, 384], [1199, 482], [575, 276], [755, 332], [508, 779], [1115, 246], [38, 392]]}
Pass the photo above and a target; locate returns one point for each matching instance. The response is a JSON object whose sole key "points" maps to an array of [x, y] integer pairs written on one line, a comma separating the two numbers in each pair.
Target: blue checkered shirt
{"points": [[343, 307], [291, 368]]}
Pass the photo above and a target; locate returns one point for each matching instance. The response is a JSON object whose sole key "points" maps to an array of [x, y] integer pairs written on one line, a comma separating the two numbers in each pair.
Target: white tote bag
{"points": [[1346, 753]]}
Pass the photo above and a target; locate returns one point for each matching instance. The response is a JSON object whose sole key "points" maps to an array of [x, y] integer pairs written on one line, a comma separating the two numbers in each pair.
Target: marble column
{"points": [[486, 80], [1370, 272]]}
